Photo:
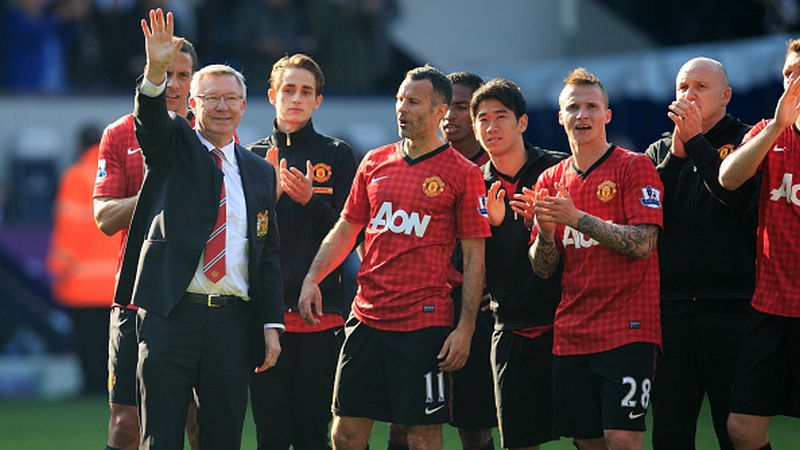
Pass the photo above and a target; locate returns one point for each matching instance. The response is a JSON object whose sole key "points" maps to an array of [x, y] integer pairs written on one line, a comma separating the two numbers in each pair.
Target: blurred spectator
{"points": [[82, 262], [34, 50], [81, 42], [265, 31]]}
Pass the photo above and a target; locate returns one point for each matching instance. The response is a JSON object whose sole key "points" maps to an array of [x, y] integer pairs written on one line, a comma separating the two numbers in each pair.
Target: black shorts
{"points": [[473, 388], [768, 371], [123, 354], [523, 371], [602, 391], [392, 376], [291, 402]]}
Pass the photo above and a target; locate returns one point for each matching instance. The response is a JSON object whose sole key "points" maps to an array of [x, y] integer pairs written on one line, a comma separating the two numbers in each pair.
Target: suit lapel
{"points": [[250, 194]]}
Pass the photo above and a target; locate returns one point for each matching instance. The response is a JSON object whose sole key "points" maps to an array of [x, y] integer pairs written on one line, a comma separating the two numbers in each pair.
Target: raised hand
{"points": [[495, 204], [161, 46], [688, 120], [272, 158], [296, 184], [523, 205], [788, 108]]}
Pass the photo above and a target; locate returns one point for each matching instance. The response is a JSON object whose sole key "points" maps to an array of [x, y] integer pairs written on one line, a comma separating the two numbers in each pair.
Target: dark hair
{"points": [[470, 80], [300, 61], [504, 91], [442, 87], [582, 77], [188, 48]]}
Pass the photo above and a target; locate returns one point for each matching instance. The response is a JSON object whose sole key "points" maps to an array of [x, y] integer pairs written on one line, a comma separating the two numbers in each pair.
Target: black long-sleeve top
{"points": [[520, 299], [707, 247], [304, 226]]}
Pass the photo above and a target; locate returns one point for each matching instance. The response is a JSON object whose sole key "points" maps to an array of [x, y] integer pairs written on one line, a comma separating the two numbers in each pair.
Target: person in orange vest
{"points": [[82, 263]]}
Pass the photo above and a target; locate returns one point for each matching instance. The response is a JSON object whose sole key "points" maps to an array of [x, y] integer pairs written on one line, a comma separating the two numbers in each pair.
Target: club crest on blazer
{"points": [[262, 223]]}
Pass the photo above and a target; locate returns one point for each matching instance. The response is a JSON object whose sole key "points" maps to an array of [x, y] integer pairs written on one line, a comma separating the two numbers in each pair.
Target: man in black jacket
{"points": [[202, 259], [291, 403], [707, 258], [523, 304]]}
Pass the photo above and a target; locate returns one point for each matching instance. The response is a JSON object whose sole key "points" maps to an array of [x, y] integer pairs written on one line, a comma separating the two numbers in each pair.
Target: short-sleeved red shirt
{"points": [[778, 246], [413, 211], [120, 166], [608, 299]]}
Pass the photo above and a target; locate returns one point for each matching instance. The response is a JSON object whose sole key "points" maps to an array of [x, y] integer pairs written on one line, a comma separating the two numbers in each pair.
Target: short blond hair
{"points": [[582, 77], [793, 46], [216, 69]]}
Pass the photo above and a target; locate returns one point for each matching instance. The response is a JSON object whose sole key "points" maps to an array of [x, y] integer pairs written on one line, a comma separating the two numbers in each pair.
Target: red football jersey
{"points": [[608, 299], [120, 166], [778, 247], [413, 211]]}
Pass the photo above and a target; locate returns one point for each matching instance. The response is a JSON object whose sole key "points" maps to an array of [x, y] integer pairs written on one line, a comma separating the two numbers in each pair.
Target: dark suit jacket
{"points": [[175, 214]]}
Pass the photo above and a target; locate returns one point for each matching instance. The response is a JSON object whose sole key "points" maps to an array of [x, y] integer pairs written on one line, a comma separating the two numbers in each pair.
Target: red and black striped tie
{"points": [[214, 255]]}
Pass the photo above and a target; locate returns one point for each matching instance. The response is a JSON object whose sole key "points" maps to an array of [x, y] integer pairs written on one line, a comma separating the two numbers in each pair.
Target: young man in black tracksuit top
{"points": [[291, 403], [523, 304], [707, 258]]}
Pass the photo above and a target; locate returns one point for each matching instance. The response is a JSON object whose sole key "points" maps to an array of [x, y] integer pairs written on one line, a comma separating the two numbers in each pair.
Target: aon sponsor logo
{"points": [[577, 239], [399, 221], [788, 191]]}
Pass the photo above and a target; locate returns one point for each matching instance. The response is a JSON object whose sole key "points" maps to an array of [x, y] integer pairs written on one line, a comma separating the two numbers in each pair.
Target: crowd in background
{"points": [[56, 46]]}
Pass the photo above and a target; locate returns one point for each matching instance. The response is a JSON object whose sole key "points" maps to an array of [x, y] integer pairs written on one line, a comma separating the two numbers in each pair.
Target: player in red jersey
{"points": [[767, 379], [120, 171], [415, 198], [599, 213], [472, 408]]}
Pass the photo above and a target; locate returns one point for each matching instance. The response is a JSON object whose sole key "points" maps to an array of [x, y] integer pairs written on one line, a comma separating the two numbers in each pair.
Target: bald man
{"points": [[705, 293]]}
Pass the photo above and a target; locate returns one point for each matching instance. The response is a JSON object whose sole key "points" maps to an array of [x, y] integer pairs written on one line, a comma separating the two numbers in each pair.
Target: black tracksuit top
{"points": [[302, 228], [520, 299], [707, 249]]}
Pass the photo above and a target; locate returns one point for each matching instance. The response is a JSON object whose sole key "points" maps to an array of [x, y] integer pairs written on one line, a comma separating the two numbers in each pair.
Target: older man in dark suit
{"points": [[202, 256]]}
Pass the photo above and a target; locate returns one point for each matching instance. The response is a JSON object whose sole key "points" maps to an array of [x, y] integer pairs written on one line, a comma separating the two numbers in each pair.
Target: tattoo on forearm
{"points": [[632, 240], [544, 258]]}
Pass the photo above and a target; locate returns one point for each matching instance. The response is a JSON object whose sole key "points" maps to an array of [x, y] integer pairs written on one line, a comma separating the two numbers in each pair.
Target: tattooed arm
{"points": [[544, 257], [637, 241]]}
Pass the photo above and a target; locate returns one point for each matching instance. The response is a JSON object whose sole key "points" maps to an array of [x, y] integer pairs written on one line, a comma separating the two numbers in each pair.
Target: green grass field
{"points": [[80, 424]]}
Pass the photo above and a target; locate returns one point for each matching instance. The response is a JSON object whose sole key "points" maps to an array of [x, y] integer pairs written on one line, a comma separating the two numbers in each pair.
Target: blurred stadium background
{"points": [[69, 66]]}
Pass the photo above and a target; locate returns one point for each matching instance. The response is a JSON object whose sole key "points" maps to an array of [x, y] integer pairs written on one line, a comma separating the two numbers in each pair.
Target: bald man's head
{"points": [[704, 82]]}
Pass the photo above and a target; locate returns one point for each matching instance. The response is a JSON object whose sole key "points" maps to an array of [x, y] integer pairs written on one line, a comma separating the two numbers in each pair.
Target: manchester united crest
{"points": [[433, 186], [606, 190], [262, 223], [725, 150], [321, 172]]}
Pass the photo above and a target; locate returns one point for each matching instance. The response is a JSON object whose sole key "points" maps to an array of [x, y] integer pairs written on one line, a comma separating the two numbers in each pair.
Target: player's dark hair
{"points": [[188, 48], [300, 61], [471, 80], [504, 91], [442, 87]]}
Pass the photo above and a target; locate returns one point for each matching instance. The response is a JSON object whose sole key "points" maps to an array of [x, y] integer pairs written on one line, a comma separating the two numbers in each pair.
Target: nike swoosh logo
{"points": [[134, 150], [633, 416], [376, 179], [429, 411], [779, 149]]}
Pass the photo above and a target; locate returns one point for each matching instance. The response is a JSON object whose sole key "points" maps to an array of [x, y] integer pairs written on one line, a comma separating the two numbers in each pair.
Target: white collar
{"points": [[226, 150]]}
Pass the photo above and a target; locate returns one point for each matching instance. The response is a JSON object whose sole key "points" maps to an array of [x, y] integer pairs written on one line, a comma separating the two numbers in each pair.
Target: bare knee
{"points": [[398, 434], [748, 432], [624, 439], [350, 433], [591, 444], [123, 426], [475, 437], [425, 437]]}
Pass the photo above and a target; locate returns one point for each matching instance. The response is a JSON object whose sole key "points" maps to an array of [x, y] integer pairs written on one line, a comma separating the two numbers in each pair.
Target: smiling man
{"points": [[119, 179], [414, 198], [599, 213], [201, 261], [291, 402]]}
